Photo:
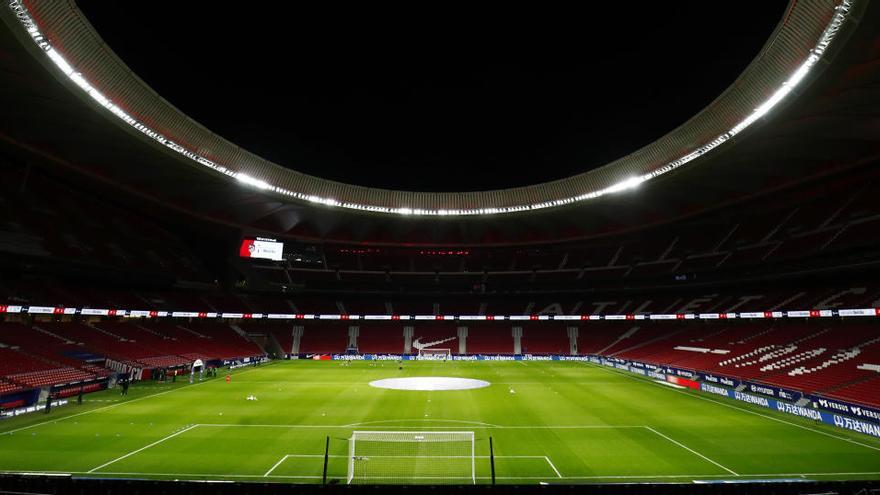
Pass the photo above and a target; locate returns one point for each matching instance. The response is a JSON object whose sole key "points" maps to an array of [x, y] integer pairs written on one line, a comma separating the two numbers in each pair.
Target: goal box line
{"points": [[409, 432], [341, 456], [373, 451]]}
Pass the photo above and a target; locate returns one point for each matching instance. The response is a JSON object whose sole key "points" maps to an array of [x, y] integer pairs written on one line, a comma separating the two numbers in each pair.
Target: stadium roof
{"points": [[158, 152]]}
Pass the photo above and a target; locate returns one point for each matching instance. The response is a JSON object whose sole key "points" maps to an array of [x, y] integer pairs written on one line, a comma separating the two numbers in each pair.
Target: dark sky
{"points": [[450, 99]]}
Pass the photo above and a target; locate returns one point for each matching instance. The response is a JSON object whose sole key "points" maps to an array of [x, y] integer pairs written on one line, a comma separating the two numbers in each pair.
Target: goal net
{"points": [[435, 457], [435, 353]]}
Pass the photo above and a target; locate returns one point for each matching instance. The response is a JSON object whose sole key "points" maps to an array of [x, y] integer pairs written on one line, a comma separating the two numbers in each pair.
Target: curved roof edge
{"points": [[62, 33]]}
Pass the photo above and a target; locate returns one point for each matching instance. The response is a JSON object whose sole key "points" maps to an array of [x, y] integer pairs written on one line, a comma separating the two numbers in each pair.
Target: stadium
{"points": [[191, 305]]}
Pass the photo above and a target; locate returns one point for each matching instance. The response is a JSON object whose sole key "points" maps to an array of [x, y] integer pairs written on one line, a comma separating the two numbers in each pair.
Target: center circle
{"points": [[429, 383]]}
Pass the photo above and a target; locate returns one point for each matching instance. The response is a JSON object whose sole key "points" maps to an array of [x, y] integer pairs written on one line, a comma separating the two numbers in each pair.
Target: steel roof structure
{"points": [[74, 103]]}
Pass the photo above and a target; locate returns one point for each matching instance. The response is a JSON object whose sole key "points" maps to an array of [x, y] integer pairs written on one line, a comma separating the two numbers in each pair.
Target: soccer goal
{"points": [[435, 353], [435, 457]]}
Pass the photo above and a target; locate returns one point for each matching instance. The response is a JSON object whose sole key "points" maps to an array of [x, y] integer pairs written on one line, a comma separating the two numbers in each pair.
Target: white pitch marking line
{"points": [[502, 427], [513, 456], [276, 465], [731, 471], [157, 442], [421, 477], [213, 475], [312, 456], [552, 466], [845, 439], [695, 396], [364, 423], [223, 475]]}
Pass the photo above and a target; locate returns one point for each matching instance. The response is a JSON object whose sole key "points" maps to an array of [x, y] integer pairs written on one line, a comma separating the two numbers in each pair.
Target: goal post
{"points": [[436, 457], [435, 353]]}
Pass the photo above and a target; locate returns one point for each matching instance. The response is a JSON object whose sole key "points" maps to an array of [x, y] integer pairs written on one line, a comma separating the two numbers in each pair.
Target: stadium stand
{"points": [[490, 338], [708, 261], [546, 339], [56, 353], [37, 379], [817, 357], [324, 339], [7, 388], [380, 339], [94, 217], [60, 221], [865, 391]]}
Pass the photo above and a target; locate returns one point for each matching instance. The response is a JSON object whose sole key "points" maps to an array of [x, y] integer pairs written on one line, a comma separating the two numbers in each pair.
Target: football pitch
{"points": [[552, 422]]}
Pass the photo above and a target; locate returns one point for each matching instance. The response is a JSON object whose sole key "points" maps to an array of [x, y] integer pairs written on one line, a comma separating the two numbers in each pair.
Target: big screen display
{"points": [[262, 248]]}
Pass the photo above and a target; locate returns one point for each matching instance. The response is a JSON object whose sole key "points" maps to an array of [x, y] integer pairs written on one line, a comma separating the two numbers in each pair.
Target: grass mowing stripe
{"points": [[731, 406], [583, 425], [692, 451], [157, 442]]}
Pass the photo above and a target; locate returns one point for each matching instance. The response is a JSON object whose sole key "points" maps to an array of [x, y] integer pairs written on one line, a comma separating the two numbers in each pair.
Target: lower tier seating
{"points": [[828, 357], [56, 353], [36, 379]]}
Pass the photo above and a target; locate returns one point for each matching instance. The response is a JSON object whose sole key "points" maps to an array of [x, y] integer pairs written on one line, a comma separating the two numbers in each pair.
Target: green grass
{"points": [[582, 422]]}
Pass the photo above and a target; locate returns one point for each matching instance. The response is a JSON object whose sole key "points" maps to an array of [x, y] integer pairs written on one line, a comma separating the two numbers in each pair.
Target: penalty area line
{"points": [[647, 476], [336, 456], [731, 406], [157, 442], [552, 466], [276, 465], [479, 424], [416, 428], [731, 471]]}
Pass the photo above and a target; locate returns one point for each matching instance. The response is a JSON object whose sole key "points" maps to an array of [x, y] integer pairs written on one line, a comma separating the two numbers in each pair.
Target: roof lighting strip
{"points": [[131, 313], [829, 34]]}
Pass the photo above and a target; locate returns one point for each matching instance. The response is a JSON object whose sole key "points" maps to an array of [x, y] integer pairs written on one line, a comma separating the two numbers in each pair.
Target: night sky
{"points": [[449, 99]]}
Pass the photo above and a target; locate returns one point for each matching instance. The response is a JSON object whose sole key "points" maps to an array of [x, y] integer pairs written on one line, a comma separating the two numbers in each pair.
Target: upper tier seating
{"points": [[71, 224]]}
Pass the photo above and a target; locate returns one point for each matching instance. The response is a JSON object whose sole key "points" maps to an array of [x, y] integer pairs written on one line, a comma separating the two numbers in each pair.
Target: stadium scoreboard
{"points": [[261, 248]]}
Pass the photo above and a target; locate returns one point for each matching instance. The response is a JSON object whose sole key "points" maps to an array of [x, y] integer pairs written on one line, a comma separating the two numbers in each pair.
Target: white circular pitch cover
{"points": [[429, 383]]}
